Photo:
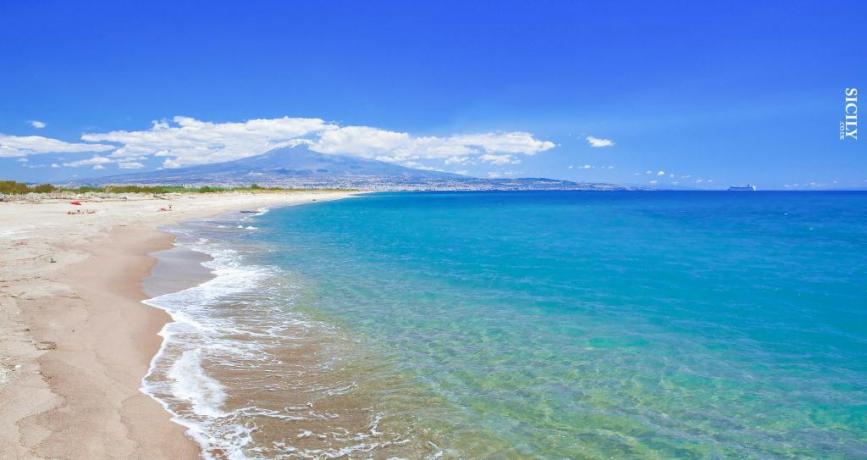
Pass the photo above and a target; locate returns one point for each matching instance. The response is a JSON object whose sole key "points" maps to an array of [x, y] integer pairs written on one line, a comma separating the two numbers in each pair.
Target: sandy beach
{"points": [[75, 339]]}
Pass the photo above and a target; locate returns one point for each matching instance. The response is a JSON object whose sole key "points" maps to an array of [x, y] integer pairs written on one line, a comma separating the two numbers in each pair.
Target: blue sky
{"points": [[690, 94]]}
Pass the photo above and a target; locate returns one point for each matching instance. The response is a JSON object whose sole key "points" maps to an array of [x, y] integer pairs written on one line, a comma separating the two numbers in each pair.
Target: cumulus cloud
{"points": [[93, 161], [498, 159], [171, 163], [597, 142], [458, 160], [362, 141], [660, 173], [401, 147], [185, 141], [130, 165], [190, 141], [22, 146], [37, 124]]}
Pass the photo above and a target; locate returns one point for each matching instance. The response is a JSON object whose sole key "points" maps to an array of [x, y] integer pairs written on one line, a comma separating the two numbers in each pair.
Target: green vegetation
{"points": [[10, 187], [18, 188], [44, 188]]}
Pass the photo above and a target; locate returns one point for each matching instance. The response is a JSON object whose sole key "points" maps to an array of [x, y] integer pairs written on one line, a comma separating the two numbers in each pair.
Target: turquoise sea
{"points": [[562, 324]]}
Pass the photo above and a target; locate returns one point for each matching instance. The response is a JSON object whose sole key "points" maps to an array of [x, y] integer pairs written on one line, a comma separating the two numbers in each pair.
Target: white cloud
{"points": [[98, 167], [457, 160], [185, 141], [400, 147], [191, 141], [654, 181], [660, 173], [93, 161], [597, 142], [512, 142], [55, 165], [130, 165], [22, 146], [37, 124], [171, 163], [587, 167], [498, 159]]}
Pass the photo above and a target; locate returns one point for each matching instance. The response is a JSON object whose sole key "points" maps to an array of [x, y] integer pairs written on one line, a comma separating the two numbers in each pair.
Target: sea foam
{"points": [[176, 377]]}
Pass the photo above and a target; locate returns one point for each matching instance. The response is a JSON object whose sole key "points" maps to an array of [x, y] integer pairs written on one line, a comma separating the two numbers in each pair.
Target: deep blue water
{"points": [[599, 325]]}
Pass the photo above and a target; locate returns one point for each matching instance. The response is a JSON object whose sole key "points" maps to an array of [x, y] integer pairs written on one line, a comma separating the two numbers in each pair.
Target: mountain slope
{"points": [[281, 165]]}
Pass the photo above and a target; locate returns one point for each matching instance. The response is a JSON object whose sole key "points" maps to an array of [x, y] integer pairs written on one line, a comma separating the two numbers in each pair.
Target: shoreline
{"points": [[154, 283], [241, 385], [77, 339]]}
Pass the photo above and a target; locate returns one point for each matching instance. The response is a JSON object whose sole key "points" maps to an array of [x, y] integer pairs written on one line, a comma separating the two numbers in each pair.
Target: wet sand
{"points": [[177, 268], [293, 393], [75, 339]]}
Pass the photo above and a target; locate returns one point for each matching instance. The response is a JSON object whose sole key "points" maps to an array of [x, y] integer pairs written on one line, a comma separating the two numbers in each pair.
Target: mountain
{"points": [[299, 167]]}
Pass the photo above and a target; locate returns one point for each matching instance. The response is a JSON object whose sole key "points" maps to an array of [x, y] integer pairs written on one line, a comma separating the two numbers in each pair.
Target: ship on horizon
{"points": [[742, 188]]}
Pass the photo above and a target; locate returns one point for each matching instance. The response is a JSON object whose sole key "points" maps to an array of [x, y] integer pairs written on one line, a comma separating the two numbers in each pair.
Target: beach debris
{"points": [[46, 346], [75, 203], [79, 211]]}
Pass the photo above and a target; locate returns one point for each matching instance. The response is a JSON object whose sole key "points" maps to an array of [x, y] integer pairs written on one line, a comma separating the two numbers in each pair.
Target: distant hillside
{"points": [[300, 167]]}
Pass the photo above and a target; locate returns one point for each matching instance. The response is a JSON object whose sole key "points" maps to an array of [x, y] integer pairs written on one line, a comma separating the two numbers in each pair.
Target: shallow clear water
{"points": [[587, 325]]}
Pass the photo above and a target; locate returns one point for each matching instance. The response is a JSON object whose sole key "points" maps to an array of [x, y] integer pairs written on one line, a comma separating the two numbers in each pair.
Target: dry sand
{"points": [[75, 339]]}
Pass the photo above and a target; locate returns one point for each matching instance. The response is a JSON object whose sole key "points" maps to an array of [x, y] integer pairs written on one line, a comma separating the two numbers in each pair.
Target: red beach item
{"points": [[75, 202]]}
